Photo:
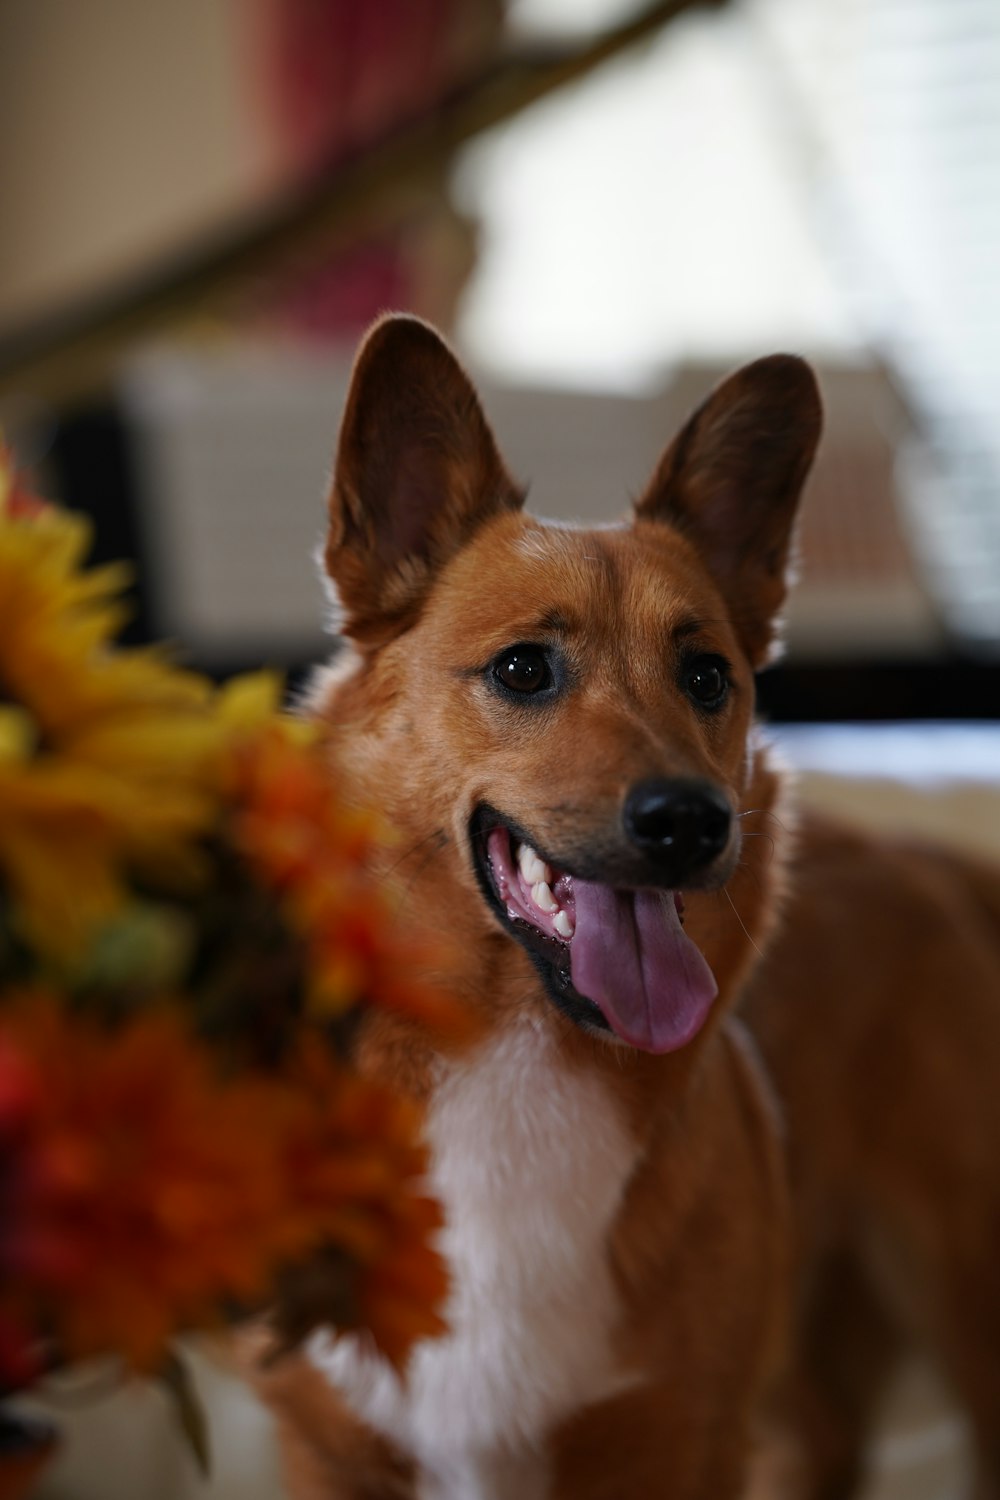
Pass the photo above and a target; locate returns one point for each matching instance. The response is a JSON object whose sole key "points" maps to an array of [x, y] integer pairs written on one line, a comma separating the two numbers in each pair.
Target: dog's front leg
{"points": [[326, 1452]]}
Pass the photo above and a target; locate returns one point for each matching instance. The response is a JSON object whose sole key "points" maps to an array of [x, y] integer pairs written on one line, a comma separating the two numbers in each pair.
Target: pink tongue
{"points": [[630, 956]]}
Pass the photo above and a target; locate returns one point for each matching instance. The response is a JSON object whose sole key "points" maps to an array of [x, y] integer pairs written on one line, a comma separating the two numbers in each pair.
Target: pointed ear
{"points": [[731, 481], [417, 471]]}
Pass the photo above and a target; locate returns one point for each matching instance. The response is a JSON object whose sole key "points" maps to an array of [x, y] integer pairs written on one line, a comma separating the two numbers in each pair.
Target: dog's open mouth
{"points": [[617, 959]]}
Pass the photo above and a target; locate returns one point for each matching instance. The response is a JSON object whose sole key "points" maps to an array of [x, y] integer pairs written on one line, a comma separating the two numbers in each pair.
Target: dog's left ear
{"points": [[731, 481], [417, 471]]}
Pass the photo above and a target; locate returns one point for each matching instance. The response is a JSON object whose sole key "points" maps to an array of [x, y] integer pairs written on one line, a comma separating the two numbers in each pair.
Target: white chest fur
{"points": [[530, 1159]]}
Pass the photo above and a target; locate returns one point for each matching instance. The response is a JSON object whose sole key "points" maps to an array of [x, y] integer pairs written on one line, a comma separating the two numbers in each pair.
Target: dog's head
{"points": [[559, 722]]}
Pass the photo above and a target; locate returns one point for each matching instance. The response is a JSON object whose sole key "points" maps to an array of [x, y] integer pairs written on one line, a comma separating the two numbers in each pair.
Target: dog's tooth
{"points": [[533, 869], [563, 924], [543, 897]]}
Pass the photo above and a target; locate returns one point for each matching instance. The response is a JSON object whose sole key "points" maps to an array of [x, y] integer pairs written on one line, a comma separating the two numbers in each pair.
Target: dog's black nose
{"points": [[680, 823]]}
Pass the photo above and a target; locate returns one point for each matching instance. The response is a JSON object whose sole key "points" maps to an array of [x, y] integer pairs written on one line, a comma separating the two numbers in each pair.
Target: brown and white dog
{"points": [[559, 724]]}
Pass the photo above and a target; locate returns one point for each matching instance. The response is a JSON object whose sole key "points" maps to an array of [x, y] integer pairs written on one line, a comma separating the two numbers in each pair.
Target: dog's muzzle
{"points": [[679, 824]]}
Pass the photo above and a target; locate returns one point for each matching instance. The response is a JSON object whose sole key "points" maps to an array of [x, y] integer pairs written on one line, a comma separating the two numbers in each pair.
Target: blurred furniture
{"points": [[209, 467]]}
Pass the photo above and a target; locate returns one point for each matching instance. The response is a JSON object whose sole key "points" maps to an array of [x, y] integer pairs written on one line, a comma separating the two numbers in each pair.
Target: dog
{"points": [[559, 725]]}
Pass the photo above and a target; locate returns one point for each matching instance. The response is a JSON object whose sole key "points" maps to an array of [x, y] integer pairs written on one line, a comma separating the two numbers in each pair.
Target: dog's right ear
{"points": [[417, 472]]}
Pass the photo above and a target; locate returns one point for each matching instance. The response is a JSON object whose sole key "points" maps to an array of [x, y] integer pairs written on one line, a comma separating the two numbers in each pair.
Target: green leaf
{"points": [[146, 946], [188, 1409]]}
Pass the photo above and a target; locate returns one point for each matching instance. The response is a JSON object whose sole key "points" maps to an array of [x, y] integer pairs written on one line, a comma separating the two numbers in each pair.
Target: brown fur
{"points": [[437, 571], [878, 1013]]}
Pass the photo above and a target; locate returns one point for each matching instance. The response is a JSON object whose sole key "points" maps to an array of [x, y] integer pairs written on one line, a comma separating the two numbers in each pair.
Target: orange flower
{"points": [[144, 1194], [318, 854], [354, 1167]]}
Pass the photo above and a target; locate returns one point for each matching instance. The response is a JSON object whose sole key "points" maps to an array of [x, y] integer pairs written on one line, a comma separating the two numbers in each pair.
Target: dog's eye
{"points": [[523, 669], [705, 679]]}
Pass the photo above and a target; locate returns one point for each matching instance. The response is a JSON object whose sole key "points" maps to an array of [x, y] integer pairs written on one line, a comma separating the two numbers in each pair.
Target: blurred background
{"points": [[605, 205]]}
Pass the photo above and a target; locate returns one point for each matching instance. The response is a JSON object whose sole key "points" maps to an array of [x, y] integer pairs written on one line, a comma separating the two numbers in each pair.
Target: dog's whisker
{"points": [[743, 865], [419, 870], [763, 812], [408, 854], [754, 875], [743, 925]]}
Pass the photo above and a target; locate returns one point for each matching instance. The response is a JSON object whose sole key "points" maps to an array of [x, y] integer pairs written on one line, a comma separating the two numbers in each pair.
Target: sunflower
{"points": [[107, 757]]}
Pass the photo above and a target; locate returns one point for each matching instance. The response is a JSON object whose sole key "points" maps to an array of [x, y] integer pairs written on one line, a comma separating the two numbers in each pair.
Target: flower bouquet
{"points": [[189, 934]]}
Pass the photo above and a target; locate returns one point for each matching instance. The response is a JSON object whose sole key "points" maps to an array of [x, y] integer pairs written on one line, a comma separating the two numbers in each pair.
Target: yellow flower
{"points": [[108, 758]]}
